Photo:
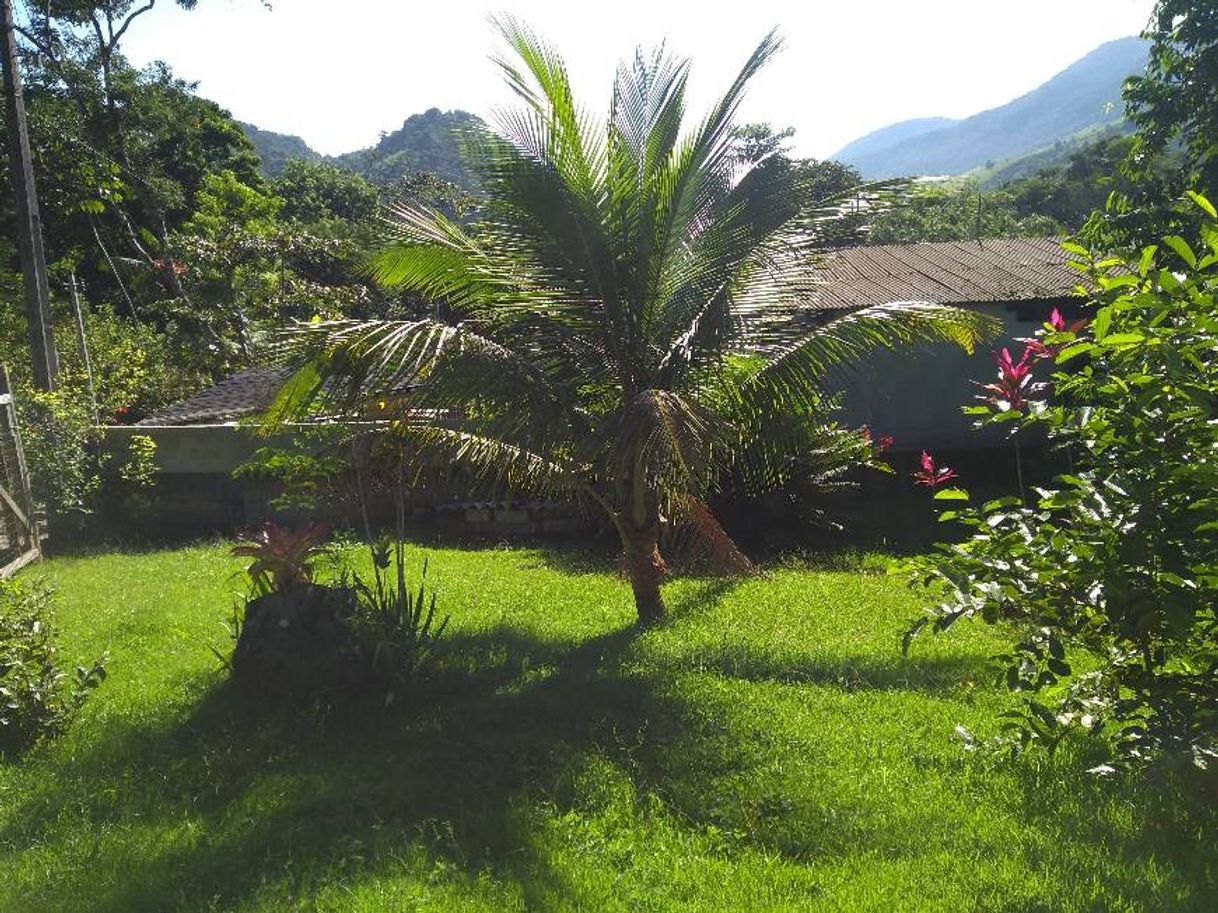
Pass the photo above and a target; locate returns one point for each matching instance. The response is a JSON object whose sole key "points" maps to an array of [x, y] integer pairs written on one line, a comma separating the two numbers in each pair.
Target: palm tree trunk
{"points": [[647, 569], [642, 559]]}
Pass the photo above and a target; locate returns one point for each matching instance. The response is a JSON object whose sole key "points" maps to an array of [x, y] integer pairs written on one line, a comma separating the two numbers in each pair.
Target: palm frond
{"points": [[799, 362], [497, 465], [663, 436], [695, 537]]}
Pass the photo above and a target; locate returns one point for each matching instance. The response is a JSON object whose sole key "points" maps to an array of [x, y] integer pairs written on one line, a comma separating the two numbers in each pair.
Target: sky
{"points": [[340, 73]]}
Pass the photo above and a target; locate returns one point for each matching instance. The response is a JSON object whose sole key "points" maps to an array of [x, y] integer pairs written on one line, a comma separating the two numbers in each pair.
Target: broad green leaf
{"points": [[1124, 339], [1073, 351], [1183, 251], [1148, 260], [1103, 320], [951, 494], [1203, 203]]}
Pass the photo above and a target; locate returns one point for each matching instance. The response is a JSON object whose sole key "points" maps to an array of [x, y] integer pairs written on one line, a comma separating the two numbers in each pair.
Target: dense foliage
{"points": [[429, 142], [1110, 578], [1176, 100], [957, 211]]}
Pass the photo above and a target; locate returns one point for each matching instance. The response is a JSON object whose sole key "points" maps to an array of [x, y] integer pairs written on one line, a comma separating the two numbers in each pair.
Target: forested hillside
{"points": [[427, 142], [277, 149]]}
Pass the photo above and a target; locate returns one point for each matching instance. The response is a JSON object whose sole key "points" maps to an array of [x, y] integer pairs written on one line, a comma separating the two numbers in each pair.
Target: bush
{"points": [[73, 472], [1111, 577], [397, 628], [37, 697], [297, 638]]}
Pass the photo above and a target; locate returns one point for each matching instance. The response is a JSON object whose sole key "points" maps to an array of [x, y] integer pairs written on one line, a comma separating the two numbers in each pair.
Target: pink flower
{"points": [[1015, 382], [880, 445], [1036, 350], [931, 475]]}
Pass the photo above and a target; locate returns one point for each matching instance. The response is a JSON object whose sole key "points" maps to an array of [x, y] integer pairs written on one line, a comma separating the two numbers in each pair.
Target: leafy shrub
{"points": [[1111, 577], [37, 697], [73, 472], [309, 470], [397, 628]]}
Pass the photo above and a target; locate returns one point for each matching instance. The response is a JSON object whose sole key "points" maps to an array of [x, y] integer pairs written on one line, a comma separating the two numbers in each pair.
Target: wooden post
{"points": [[30, 509], [29, 221]]}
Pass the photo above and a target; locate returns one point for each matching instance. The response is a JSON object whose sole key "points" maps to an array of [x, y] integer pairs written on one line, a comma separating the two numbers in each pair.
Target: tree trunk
{"points": [[647, 569]]}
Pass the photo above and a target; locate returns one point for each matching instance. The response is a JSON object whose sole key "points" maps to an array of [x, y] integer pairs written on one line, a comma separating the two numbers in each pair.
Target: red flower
{"points": [[1036, 350], [880, 445], [931, 475], [1015, 382]]}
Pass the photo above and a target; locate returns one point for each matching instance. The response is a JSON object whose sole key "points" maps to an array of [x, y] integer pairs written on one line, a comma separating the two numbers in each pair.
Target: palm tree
{"points": [[629, 313]]}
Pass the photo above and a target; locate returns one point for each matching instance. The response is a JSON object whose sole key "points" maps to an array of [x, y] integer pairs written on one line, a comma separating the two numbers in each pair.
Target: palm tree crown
{"points": [[630, 310]]}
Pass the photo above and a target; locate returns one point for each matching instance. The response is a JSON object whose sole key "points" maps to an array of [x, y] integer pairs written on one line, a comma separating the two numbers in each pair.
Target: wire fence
{"points": [[19, 537]]}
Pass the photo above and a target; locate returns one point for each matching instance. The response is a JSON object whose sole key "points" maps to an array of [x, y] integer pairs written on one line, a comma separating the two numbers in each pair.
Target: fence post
{"points": [[23, 475]]}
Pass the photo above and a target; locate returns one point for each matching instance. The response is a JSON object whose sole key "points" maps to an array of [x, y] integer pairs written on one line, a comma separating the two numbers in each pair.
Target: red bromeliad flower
{"points": [[933, 476]]}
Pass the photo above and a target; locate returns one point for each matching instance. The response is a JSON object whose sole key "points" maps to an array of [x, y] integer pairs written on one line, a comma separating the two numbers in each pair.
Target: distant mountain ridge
{"points": [[1085, 96], [425, 142], [879, 141], [275, 149]]}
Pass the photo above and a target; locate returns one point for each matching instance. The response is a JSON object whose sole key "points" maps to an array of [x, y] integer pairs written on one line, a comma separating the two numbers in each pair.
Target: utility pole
{"points": [[82, 341], [29, 222]]}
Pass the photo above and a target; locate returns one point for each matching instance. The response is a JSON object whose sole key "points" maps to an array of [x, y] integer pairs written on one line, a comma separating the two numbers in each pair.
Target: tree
{"points": [[1069, 193], [1176, 100], [819, 180], [628, 326], [956, 212], [1107, 582]]}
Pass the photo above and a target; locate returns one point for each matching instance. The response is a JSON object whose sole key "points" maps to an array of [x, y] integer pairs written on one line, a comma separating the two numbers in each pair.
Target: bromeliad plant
{"points": [[282, 557], [1111, 579], [630, 313]]}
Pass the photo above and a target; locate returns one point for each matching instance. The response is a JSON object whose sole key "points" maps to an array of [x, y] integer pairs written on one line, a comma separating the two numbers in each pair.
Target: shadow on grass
{"points": [[281, 795], [943, 674], [272, 787]]}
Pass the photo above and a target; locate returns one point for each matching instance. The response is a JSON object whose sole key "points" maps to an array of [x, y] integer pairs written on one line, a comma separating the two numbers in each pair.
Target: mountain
{"points": [[276, 148], [1054, 156], [425, 142], [1084, 97], [887, 137]]}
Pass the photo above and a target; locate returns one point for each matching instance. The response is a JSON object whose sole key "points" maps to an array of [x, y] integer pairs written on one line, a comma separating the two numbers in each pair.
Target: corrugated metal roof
{"points": [[236, 396], [954, 272]]}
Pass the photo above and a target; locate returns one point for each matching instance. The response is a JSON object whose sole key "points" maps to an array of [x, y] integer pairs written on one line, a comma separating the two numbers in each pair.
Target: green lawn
{"points": [[767, 749]]}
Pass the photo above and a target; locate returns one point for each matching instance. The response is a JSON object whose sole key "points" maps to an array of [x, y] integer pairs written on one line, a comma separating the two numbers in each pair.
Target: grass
{"points": [[766, 749]]}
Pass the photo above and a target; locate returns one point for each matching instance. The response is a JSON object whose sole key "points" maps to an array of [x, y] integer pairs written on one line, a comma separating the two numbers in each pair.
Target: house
{"points": [[915, 397]]}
